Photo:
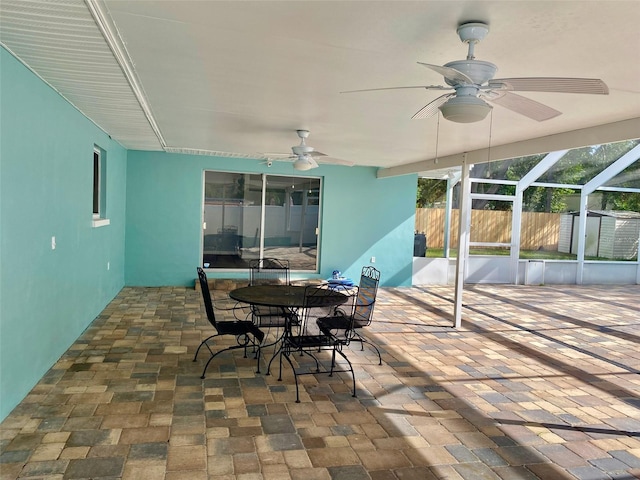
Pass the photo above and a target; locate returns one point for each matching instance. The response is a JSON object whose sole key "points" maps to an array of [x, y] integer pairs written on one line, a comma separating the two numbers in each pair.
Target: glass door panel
{"points": [[237, 227], [231, 219], [292, 217]]}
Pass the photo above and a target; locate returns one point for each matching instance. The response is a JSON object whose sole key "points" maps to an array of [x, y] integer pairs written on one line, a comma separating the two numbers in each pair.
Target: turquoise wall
{"points": [[362, 217], [48, 297]]}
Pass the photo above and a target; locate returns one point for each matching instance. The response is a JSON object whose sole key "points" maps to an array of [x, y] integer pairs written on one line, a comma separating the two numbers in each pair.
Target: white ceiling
{"points": [[240, 77]]}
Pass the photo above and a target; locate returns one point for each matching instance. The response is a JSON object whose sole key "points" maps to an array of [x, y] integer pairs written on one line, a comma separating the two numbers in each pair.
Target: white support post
{"points": [[516, 224], [464, 229], [263, 213], [582, 236], [638, 264], [451, 182]]}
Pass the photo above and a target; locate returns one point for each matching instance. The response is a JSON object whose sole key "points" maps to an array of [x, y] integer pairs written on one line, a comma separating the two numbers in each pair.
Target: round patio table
{"points": [[285, 296], [290, 298]]}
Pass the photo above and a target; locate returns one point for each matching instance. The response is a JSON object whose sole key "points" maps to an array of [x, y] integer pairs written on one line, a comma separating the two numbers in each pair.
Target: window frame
{"points": [[264, 177], [99, 189]]}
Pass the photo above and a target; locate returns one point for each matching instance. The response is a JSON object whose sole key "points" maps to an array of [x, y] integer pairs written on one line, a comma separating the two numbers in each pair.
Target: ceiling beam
{"points": [[117, 46], [607, 133]]}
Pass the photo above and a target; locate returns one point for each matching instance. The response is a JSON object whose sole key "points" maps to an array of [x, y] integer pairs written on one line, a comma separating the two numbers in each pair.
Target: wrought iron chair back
{"points": [[345, 326], [303, 337], [206, 297], [245, 331], [366, 297], [269, 271]]}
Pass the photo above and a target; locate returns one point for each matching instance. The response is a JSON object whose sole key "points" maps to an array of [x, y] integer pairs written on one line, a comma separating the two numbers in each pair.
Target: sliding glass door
{"points": [[250, 216]]}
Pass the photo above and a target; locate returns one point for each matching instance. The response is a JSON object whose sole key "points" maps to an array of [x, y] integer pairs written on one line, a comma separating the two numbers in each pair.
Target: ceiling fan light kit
{"points": [[304, 162], [465, 109]]}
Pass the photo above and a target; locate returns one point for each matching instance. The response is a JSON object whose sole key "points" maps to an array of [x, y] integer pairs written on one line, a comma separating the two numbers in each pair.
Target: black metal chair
{"points": [[245, 331], [345, 326], [268, 271], [299, 339]]}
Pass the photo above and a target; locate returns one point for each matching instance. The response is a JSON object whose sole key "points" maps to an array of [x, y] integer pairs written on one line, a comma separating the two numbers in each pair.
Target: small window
{"points": [[96, 183], [99, 188]]}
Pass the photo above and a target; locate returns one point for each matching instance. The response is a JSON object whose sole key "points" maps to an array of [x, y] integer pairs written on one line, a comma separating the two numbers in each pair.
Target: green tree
{"points": [[628, 178], [577, 167], [430, 191]]}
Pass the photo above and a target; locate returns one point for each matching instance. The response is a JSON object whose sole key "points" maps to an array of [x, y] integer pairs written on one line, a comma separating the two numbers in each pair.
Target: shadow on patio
{"points": [[540, 382]]}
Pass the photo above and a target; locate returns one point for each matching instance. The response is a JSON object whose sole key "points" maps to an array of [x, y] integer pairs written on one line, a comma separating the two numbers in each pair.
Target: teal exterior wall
{"points": [[362, 217], [48, 297], [154, 199]]}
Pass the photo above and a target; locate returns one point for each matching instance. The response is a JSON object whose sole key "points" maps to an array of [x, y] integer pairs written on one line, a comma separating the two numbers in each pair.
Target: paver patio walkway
{"points": [[539, 383]]}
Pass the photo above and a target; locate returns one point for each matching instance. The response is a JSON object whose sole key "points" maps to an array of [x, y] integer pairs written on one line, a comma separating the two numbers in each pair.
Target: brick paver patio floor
{"points": [[539, 383]]}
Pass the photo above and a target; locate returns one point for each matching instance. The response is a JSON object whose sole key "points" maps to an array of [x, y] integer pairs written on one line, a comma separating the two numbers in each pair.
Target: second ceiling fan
{"points": [[473, 86], [304, 156]]}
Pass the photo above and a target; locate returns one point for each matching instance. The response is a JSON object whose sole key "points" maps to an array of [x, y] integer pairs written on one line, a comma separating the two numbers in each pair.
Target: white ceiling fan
{"points": [[304, 156], [473, 84]]}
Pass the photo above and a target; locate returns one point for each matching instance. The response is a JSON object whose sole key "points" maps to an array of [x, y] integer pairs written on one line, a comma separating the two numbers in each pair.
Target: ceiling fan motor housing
{"points": [[301, 149], [477, 70]]}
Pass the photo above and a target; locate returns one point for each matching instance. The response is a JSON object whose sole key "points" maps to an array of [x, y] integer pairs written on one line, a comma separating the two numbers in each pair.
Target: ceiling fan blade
{"points": [[279, 155], [336, 161], [551, 84], [317, 154], [313, 162], [426, 87], [522, 105], [456, 76], [431, 108]]}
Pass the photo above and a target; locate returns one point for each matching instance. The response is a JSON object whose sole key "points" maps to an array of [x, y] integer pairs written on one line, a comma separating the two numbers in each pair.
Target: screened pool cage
{"points": [[566, 217]]}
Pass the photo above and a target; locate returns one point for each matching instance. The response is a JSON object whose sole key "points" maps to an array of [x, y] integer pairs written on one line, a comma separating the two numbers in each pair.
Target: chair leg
{"points": [[257, 357], [285, 353], [304, 352], [333, 362], [277, 346], [211, 358], [363, 340], [245, 343], [353, 375], [295, 377], [213, 355], [204, 342], [275, 354]]}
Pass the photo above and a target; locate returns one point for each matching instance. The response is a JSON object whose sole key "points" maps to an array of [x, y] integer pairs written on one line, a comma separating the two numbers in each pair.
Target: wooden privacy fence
{"points": [[538, 231]]}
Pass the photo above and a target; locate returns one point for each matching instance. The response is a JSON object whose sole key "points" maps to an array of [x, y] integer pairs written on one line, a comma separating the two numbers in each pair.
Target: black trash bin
{"points": [[419, 245]]}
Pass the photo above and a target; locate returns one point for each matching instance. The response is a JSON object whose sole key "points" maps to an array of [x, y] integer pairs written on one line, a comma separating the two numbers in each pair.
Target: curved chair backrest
{"points": [[269, 271], [206, 296], [315, 306], [366, 298]]}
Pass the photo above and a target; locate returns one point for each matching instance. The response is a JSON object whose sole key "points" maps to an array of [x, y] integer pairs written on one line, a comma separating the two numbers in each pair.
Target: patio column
{"points": [[452, 180], [464, 229]]}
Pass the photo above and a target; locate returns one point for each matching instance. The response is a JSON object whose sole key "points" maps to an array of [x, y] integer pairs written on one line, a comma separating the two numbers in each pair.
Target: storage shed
{"points": [[610, 234]]}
